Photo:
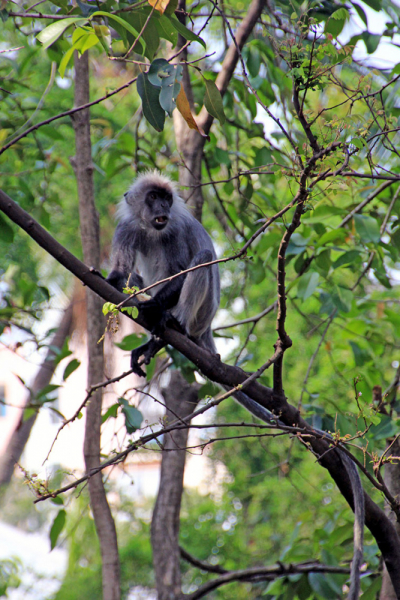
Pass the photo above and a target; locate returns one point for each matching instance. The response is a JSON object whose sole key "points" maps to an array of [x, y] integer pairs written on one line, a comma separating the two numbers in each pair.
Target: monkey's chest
{"points": [[152, 267]]}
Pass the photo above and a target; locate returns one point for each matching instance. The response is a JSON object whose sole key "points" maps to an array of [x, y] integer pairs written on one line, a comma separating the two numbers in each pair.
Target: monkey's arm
{"points": [[120, 279]]}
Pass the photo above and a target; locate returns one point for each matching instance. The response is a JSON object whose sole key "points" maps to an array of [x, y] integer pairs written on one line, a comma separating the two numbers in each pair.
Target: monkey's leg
{"points": [[148, 351], [199, 298]]}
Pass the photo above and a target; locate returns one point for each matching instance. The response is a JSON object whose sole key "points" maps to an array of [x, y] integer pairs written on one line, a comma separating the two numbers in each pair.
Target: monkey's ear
{"points": [[125, 195]]}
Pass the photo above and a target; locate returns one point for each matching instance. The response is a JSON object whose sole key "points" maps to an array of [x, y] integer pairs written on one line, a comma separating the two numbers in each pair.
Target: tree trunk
{"points": [[43, 377], [89, 223], [392, 480], [180, 399]]}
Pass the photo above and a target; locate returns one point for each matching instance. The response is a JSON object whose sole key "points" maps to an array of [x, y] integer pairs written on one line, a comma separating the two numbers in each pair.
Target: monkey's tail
{"points": [[358, 493]]}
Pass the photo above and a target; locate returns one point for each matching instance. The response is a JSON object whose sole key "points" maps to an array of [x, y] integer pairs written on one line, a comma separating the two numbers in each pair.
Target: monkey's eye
{"points": [[152, 196]]}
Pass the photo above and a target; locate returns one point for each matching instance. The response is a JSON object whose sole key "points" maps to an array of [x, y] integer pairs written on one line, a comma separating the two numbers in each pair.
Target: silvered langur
{"points": [[157, 237]]}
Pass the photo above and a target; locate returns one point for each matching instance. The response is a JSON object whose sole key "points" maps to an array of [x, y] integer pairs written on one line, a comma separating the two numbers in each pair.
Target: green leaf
{"points": [[254, 61], [307, 285], [51, 387], [130, 342], [340, 14], [122, 22], [150, 34], [161, 73], [57, 527], [375, 4], [367, 228], [133, 416], [371, 41], [51, 33], [346, 259], [65, 60], [334, 26], [112, 411], [395, 70], [86, 9], [6, 231], [321, 586], [166, 30], [385, 429], [57, 500], [51, 132], [334, 235], [151, 104], [361, 355], [342, 299], [213, 101], [168, 96], [185, 32], [361, 13], [132, 311], [109, 307], [71, 367]]}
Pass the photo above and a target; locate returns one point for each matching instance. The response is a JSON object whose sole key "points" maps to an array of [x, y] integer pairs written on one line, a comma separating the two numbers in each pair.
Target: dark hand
{"points": [[136, 368]]}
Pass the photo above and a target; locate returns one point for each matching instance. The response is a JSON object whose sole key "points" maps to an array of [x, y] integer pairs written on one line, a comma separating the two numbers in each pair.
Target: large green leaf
{"points": [[133, 416], [307, 285], [124, 23], [51, 33], [57, 527], [213, 101], [367, 228], [130, 342], [150, 96], [185, 32]]}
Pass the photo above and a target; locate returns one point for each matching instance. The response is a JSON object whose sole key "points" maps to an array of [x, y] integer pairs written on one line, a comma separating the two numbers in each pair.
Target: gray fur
{"points": [[154, 255]]}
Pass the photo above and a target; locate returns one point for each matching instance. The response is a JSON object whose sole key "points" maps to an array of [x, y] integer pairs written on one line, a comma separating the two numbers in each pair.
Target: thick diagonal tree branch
{"points": [[212, 367]]}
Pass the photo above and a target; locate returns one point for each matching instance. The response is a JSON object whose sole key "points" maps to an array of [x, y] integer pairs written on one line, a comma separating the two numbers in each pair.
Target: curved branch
{"points": [[211, 366], [263, 574]]}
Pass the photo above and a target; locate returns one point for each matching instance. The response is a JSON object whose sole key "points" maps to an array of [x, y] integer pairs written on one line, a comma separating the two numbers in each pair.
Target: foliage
{"points": [[293, 96]]}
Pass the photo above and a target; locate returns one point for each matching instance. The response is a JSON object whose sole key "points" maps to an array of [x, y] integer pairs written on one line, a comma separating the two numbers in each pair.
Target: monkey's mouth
{"points": [[160, 222]]}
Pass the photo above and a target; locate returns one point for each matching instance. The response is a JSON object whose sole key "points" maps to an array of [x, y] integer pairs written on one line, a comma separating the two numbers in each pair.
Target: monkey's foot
{"points": [[96, 272], [148, 351], [136, 368]]}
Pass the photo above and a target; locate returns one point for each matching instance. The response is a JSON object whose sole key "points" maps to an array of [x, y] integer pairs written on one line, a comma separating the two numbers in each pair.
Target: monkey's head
{"points": [[150, 199]]}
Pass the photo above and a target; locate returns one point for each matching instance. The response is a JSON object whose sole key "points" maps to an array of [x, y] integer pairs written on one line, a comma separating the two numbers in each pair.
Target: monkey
{"points": [[157, 237]]}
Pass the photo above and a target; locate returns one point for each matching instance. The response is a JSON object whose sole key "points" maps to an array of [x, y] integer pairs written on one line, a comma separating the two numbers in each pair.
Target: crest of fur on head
{"points": [[132, 203]]}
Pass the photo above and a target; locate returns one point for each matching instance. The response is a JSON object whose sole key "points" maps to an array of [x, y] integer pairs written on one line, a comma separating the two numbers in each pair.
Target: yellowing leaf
{"points": [[182, 104], [159, 5]]}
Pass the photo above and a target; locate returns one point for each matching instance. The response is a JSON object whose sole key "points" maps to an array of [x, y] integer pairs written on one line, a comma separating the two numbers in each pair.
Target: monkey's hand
{"points": [[154, 314], [148, 351]]}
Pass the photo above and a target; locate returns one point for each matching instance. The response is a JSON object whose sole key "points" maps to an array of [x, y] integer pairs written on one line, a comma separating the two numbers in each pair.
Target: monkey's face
{"points": [[157, 208]]}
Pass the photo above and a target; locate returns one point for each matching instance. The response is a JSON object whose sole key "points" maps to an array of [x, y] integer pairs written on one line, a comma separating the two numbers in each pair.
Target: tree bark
{"points": [[190, 143], [43, 377], [180, 399], [89, 223], [392, 480]]}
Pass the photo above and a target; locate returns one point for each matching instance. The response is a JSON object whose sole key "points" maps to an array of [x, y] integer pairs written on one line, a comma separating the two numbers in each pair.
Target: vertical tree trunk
{"points": [[43, 377], [89, 224], [392, 480], [181, 398]]}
